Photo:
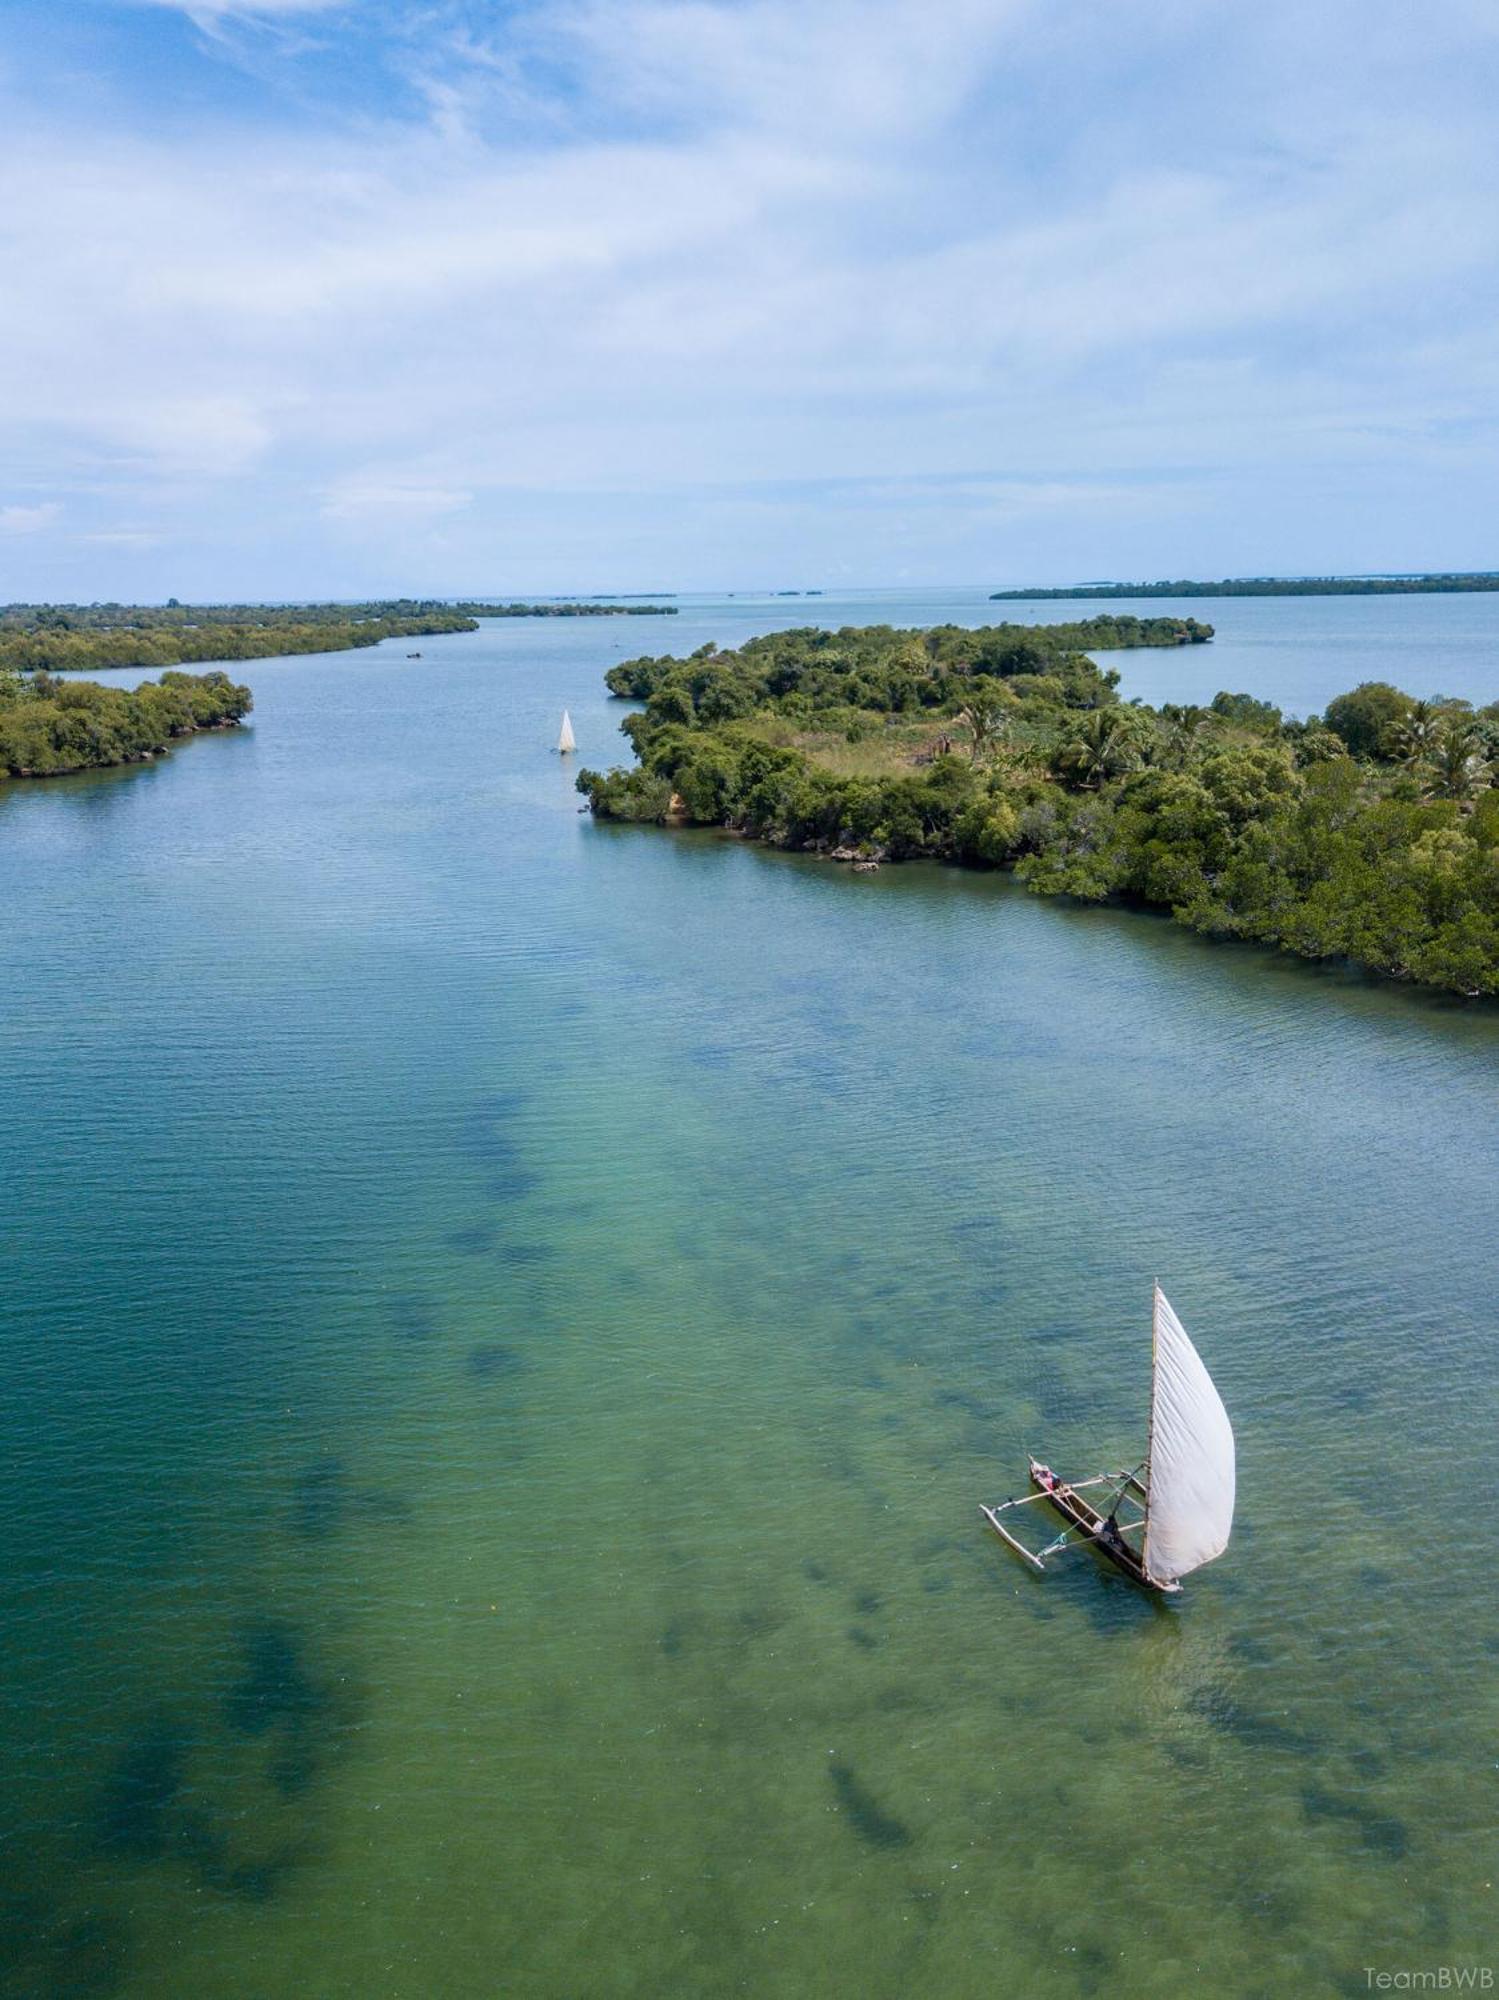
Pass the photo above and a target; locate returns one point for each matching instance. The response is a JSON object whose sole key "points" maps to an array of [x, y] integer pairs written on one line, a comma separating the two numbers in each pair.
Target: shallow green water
{"points": [[509, 1322]]}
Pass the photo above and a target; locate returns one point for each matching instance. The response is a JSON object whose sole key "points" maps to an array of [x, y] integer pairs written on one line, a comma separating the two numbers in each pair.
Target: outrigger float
{"points": [[1181, 1494]]}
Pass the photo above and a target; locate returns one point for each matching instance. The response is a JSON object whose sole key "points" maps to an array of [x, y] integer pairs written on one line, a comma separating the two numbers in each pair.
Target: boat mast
{"points": [[1155, 1362]]}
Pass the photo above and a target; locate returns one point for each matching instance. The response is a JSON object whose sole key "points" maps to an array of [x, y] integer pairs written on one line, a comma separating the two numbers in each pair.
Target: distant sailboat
{"points": [[567, 741], [1182, 1493]]}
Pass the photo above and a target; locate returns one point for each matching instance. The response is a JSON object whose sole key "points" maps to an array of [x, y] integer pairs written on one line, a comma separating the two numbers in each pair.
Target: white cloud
{"points": [[29, 520], [207, 434], [364, 500], [247, 10], [833, 73], [637, 247]]}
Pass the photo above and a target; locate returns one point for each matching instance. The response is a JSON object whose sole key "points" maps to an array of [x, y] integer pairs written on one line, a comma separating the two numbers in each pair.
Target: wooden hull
{"points": [[1081, 1514]]}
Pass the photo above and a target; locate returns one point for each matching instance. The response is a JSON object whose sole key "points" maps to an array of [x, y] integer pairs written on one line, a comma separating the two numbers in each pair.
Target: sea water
{"points": [[509, 1320]]}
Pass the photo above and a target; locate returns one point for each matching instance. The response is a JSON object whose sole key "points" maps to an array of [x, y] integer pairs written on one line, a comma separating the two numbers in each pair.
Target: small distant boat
{"points": [[567, 741], [413, 656], [1180, 1496]]}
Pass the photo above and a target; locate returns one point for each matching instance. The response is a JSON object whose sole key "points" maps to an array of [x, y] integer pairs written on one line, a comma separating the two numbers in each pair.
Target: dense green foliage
{"points": [[879, 666], [572, 607], [72, 638], [1369, 834], [48, 726], [1271, 586]]}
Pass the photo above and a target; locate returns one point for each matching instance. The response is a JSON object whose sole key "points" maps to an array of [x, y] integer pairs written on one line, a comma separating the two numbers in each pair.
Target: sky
{"points": [[336, 298]]}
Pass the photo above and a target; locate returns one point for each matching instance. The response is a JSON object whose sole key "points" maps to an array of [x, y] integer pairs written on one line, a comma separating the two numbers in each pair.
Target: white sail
{"points": [[567, 741], [1190, 1508]]}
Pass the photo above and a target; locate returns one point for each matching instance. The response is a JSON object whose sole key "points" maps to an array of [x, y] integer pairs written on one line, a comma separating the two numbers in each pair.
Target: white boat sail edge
{"points": [[1189, 1509], [567, 741]]}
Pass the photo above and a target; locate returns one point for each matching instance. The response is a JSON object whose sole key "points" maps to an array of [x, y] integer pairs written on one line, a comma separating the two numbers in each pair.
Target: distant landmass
{"points": [[84, 638], [568, 607], [1271, 586], [74, 638]]}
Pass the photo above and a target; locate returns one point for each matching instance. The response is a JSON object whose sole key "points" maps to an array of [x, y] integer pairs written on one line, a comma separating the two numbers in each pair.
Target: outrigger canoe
{"points": [[1181, 1495]]}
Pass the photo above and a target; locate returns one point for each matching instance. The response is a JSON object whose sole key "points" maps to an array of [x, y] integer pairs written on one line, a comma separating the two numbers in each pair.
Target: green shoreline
{"points": [[1370, 834], [55, 729], [1433, 582], [93, 638]]}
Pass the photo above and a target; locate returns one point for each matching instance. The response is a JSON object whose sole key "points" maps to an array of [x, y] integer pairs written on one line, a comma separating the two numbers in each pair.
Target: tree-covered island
{"points": [[1432, 581], [86, 638], [1370, 833], [571, 607], [50, 727]]}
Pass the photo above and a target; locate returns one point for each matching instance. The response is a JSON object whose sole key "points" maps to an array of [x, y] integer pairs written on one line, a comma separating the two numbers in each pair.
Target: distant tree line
{"points": [[73, 638], [572, 607], [48, 727], [1370, 833], [1272, 586]]}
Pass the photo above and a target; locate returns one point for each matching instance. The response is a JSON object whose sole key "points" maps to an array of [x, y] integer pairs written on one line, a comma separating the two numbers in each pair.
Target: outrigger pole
{"points": [[1037, 1561]]}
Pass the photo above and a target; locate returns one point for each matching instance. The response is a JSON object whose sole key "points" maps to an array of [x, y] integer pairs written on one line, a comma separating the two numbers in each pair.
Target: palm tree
{"points": [[1413, 739], [1104, 743], [1186, 722], [1456, 759], [987, 726]]}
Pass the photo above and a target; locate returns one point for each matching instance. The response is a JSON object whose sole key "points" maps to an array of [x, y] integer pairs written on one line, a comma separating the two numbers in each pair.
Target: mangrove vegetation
{"points": [[1270, 586], [49, 727], [573, 607], [1369, 833], [87, 638]]}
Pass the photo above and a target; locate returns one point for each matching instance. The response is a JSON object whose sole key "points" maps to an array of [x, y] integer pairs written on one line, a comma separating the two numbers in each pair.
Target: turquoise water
{"points": [[509, 1321]]}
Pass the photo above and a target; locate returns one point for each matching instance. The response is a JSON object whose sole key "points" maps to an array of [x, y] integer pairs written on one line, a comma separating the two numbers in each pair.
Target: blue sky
{"points": [[326, 299]]}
